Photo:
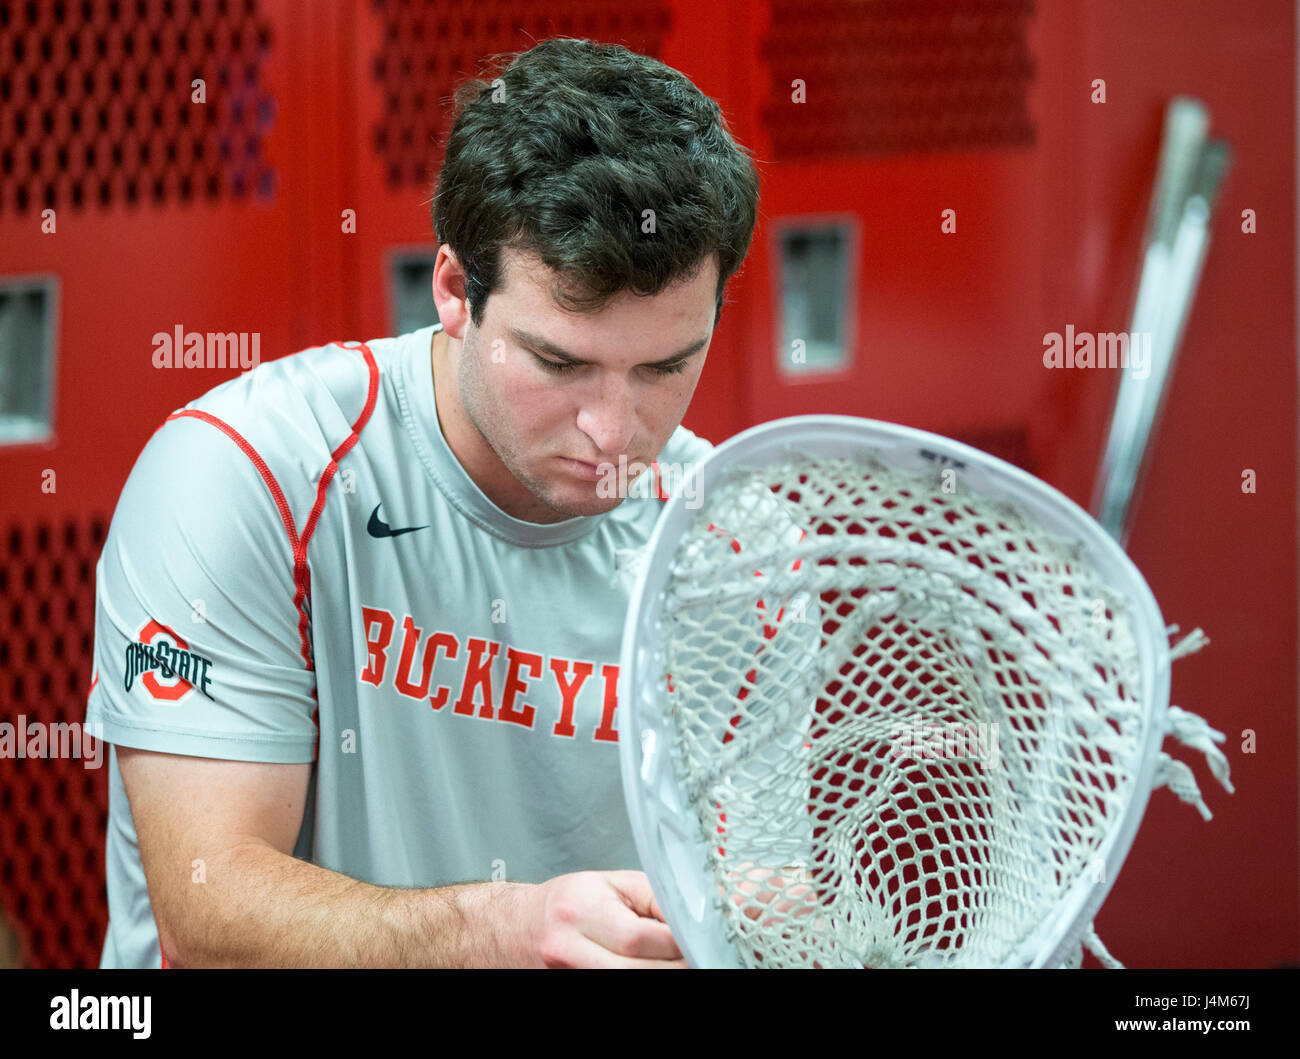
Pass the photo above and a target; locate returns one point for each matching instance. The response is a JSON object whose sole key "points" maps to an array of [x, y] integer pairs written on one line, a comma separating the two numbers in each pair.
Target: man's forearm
{"points": [[262, 908]]}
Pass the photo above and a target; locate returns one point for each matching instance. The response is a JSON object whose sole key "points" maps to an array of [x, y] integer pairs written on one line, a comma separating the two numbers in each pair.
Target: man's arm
{"points": [[259, 906]]}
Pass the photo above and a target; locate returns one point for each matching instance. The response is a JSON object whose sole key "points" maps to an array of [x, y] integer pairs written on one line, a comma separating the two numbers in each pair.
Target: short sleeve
{"points": [[198, 647]]}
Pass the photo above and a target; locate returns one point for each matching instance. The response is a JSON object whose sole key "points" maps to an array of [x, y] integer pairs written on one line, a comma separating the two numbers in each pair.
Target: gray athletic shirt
{"points": [[264, 595]]}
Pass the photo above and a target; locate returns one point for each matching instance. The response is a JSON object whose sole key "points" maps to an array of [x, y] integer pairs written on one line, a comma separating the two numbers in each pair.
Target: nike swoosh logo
{"points": [[377, 527]]}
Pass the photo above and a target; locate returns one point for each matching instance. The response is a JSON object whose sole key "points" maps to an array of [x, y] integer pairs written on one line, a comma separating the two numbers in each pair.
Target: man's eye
{"points": [[672, 369], [556, 367], [559, 367]]}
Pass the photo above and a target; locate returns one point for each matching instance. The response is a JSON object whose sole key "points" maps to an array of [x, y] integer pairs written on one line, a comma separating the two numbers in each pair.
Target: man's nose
{"points": [[608, 414]]}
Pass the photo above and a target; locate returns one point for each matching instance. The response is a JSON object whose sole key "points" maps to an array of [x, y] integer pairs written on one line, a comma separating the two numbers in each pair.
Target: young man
{"points": [[360, 610]]}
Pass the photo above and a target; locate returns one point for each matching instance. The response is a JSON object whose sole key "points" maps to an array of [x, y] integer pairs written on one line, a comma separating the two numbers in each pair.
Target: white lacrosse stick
{"points": [[888, 701]]}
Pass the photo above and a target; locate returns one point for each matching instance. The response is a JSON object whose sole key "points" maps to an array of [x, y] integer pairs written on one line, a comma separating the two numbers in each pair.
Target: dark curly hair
{"points": [[561, 156]]}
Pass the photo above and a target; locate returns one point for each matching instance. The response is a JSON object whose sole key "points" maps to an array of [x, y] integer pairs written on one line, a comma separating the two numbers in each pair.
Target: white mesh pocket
{"points": [[906, 718]]}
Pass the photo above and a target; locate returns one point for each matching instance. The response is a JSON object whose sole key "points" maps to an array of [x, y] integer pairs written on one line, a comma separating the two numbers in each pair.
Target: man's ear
{"points": [[449, 293]]}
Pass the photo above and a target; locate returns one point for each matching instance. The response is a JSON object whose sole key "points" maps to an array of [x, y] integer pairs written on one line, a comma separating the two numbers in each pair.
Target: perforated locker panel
{"points": [[95, 101], [896, 77], [142, 149], [53, 811], [891, 114]]}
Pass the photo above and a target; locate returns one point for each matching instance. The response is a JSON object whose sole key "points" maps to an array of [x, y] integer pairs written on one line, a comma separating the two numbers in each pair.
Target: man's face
{"points": [[528, 414]]}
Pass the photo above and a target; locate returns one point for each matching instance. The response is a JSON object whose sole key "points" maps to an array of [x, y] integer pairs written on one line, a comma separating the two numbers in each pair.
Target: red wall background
{"points": [[979, 106]]}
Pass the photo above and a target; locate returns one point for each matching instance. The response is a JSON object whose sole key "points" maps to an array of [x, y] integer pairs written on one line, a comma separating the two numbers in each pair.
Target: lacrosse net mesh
{"points": [[906, 717]]}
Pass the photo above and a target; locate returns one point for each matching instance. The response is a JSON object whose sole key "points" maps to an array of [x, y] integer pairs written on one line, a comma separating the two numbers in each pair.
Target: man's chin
{"points": [[566, 500], [571, 507]]}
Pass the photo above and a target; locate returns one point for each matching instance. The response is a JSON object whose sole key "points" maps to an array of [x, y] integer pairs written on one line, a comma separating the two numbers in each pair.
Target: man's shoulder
{"points": [[324, 382], [295, 411]]}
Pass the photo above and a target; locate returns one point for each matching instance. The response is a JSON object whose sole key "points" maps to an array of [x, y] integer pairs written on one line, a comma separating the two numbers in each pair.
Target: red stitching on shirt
{"points": [[298, 546], [345, 446], [276, 493], [301, 572]]}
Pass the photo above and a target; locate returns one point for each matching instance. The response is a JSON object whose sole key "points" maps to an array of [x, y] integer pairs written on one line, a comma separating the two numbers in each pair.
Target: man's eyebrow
{"points": [[551, 350]]}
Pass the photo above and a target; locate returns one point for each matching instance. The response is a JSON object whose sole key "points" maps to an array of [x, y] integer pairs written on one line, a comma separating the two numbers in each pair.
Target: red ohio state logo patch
{"points": [[152, 657]]}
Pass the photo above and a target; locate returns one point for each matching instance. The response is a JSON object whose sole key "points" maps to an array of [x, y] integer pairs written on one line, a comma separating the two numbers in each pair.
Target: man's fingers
{"points": [[637, 893], [625, 933], [605, 919], [587, 953], [636, 929]]}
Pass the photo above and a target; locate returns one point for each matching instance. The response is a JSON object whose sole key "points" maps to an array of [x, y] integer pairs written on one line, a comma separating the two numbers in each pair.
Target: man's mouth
{"points": [[587, 471]]}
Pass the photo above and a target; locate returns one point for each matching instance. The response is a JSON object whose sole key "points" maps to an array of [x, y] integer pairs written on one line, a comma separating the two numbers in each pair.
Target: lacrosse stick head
{"points": [[885, 701]]}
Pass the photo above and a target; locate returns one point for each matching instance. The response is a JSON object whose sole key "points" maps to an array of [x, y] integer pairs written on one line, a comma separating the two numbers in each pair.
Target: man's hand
{"points": [[605, 919]]}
